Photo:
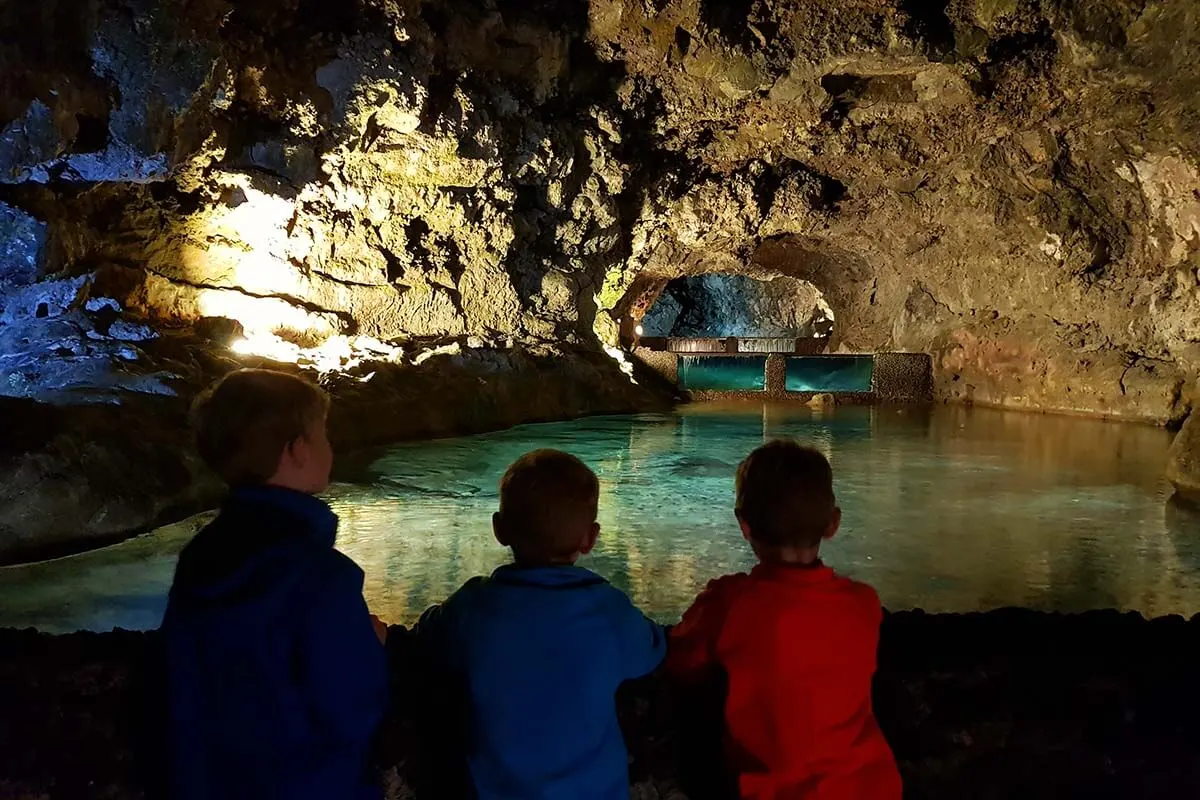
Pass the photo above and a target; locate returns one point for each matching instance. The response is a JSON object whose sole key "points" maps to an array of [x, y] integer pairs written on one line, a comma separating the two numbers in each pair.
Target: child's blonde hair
{"points": [[244, 421]]}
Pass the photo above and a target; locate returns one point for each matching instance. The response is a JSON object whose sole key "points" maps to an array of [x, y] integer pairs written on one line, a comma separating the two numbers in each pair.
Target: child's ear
{"points": [[300, 450], [590, 542], [498, 529], [745, 526], [835, 522], [294, 456]]}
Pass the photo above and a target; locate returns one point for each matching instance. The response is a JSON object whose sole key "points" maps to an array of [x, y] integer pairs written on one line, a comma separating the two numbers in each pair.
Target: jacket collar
{"points": [[556, 577], [316, 517], [793, 573]]}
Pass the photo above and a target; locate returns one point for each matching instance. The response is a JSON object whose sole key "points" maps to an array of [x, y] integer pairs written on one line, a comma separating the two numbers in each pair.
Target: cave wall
{"points": [[1011, 185], [405, 172], [419, 201]]}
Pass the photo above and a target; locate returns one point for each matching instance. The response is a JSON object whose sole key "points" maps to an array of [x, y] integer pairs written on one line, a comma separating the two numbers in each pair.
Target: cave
{"points": [[719, 306], [954, 247]]}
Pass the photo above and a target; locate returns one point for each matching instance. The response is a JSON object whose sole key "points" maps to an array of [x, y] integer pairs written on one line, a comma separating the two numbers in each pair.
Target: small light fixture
{"points": [[638, 330]]}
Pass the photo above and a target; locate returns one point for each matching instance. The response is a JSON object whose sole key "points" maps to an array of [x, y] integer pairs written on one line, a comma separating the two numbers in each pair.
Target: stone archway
{"points": [[728, 304], [843, 281]]}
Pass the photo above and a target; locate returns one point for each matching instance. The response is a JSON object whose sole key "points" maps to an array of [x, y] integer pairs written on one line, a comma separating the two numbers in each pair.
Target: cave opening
{"points": [[779, 314]]}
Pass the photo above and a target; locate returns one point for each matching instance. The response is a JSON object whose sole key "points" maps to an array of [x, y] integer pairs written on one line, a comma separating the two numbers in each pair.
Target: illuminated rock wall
{"points": [[408, 175], [1009, 186]]}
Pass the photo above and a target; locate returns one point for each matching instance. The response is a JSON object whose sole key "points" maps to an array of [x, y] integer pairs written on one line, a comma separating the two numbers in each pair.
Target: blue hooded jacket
{"points": [[539, 653], [276, 682]]}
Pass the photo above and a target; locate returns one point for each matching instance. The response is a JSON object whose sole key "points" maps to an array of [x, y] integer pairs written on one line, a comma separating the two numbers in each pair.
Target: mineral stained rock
{"points": [[1011, 187]]}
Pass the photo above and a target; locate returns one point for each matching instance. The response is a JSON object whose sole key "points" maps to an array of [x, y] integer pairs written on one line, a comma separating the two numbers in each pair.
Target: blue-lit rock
{"points": [[27, 143], [735, 305], [22, 243]]}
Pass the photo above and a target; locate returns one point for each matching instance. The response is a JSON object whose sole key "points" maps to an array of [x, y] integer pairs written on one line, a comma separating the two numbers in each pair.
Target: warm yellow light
{"points": [[618, 355], [334, 354], [638, 330]]}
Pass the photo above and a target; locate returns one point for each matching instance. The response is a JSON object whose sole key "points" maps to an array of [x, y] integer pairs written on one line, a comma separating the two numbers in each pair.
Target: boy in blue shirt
{"points": [[275, 670], [539, 648]]}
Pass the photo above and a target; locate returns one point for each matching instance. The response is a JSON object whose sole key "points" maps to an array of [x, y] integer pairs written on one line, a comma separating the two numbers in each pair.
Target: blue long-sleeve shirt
{"points": [[539, 653], [276, 682]]}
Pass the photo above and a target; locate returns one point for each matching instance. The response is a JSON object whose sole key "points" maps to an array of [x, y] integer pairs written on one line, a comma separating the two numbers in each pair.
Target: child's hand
{"points": [[380, 628]]}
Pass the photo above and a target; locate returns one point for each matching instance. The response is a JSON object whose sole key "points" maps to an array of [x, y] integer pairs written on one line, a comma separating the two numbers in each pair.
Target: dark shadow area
{"points": [[569, 16], [730, 18], [1006, 705], [929, 23]]}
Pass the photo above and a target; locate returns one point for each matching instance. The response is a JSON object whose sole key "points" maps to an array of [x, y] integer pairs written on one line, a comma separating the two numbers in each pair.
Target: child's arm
{"points": [[642, 641], [694, 639], [435, 632], [344, 667]]}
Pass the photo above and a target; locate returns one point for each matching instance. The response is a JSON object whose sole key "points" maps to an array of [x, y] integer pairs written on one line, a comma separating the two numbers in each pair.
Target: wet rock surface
{"points": [[93, 475], [74, 477], [1183, 462], [1009, 704]]}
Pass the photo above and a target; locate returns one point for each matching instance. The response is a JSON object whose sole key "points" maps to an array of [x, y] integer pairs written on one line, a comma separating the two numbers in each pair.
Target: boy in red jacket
{"points": [[796, 644]]}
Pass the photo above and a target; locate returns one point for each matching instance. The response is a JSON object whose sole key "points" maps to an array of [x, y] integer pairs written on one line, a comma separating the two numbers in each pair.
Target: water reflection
{"points": [[948, 509]]}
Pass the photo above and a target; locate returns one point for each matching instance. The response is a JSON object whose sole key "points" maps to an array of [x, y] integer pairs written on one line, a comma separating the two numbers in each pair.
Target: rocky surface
{"points": [[1008, 704], [74, 477], [93, 475], [1008, 185], [735, 305], [1183, 461]]}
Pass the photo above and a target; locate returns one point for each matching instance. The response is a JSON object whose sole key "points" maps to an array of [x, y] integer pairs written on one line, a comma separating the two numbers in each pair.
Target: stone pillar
{"points": [[902, 377], [664, 363], [776, 378]]}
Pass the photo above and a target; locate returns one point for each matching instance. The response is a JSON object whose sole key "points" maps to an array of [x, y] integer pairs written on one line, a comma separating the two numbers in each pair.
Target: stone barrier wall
{"points": [[1008, 704], [903, 377], [897, 378]]}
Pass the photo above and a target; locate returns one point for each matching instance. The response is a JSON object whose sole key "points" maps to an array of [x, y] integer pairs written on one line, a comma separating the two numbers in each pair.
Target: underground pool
{"points": [[946, 509]]}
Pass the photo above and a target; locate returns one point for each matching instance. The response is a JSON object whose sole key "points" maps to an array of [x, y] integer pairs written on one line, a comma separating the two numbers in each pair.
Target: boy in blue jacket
{"points": [[275, 670], [539, 648]]}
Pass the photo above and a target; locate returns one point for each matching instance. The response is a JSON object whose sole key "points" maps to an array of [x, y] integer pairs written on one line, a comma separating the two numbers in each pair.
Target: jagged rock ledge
{"points": [[1008, 704], [74, 477]]}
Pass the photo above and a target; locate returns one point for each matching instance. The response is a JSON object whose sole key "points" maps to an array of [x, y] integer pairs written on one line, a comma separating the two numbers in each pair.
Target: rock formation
{"points": [[1183, 461], [484, 191], [716, 305]]}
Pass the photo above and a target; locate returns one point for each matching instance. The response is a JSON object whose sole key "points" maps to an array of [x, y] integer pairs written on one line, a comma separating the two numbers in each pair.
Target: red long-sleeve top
{"points": [[797, 645]]}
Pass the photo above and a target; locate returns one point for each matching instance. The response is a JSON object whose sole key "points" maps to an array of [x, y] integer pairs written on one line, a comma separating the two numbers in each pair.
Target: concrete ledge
{"points": [[896, 378]]}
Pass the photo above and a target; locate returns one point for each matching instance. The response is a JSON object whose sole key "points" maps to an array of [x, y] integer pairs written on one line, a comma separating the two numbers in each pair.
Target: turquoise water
{"points": [[949, 510], [723, 373], [829, 374]]}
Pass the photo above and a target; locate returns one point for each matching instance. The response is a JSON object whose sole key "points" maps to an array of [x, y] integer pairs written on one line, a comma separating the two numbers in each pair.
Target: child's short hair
{"points": [[785, 494], [244, 421], [545, 496]]}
